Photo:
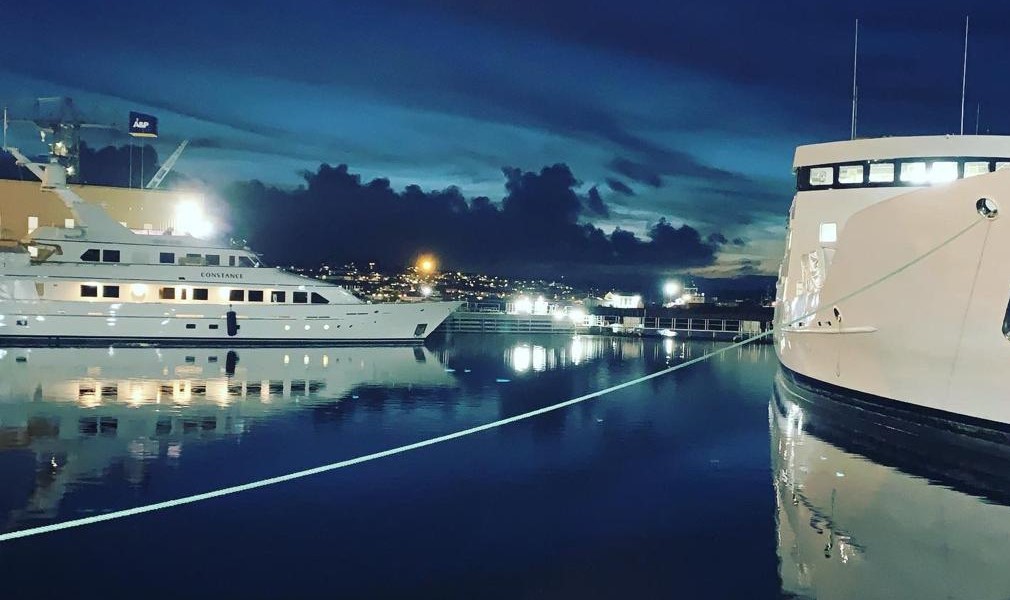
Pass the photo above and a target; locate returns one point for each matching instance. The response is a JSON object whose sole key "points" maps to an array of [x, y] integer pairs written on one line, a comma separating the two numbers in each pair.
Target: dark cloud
{"points": [[595, 203], [717, 238], [620, 187], [636, 171], [535, 230], [739, 241]]}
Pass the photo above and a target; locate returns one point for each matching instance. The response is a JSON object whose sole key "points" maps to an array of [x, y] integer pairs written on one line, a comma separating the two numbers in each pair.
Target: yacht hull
{"points": [[55, 323], [932, 335]]}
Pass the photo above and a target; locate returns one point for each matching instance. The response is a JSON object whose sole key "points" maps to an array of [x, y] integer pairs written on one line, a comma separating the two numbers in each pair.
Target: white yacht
{"points": [[931, 340], [100, 282]]}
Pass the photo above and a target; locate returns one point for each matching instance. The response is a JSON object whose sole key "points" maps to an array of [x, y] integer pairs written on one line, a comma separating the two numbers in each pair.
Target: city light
{"points": [[427, 264], [524, 305], [426, 290]]}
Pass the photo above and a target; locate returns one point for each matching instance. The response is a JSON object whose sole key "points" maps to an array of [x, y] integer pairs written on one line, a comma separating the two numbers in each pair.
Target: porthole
{"points": [[987, 208]]}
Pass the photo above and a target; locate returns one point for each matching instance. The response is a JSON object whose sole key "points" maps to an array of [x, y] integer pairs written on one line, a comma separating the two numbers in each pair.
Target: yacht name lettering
{"points": [[213, 275]]}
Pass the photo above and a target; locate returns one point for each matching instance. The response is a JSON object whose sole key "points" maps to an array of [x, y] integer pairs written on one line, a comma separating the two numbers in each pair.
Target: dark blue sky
{"points": [[683, 110]]}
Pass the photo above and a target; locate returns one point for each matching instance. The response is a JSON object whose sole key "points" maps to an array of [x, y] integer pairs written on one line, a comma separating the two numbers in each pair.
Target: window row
{"points": [[906, 172], [169, 258], [203, 294], [211, 260]]}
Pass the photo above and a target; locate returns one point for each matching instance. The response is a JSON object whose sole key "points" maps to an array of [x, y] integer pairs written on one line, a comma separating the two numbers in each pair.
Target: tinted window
{"points": [[231, 260], [200, 294], [110, 256], [214, 259], [278, 296], [317, 299], [245, 261], [255, 295], [167, 258], [300, 297], [110, 291], [236, 295], [167, 294], [92, 255], [89, 291]]}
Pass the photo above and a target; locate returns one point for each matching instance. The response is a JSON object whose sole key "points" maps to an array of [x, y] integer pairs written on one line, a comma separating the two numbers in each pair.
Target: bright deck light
{"points": [[190, 219], [671, 288]]}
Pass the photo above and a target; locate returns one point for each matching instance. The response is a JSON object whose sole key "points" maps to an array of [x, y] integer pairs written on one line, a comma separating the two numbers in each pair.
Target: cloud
{"points": [[717, 238], [595, 203], [619, 186], [535, 231]]}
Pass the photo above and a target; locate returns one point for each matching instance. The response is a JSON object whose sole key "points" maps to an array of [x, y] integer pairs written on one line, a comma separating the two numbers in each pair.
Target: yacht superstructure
{"points": [[933, 336], [99, 281]]}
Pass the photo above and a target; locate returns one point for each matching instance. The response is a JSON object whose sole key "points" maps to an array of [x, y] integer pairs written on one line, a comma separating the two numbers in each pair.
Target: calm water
{"points": [[711, 482]]}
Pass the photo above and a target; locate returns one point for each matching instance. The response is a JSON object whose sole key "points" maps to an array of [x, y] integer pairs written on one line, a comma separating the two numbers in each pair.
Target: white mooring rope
{"points": [[129, 512]]}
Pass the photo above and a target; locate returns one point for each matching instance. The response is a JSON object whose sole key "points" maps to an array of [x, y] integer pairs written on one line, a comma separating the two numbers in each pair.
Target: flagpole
{"points": [[964, 71], [855, 58]]}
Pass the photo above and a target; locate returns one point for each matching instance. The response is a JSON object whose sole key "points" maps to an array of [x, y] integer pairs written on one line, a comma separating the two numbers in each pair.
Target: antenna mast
{"points": [[964, 71], [855, 59]]}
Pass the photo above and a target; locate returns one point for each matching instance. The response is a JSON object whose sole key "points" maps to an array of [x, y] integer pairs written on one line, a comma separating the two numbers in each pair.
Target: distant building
{"points": [[622, 300]]}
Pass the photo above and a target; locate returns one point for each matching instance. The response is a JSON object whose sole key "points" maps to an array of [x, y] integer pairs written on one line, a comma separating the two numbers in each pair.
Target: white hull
{"points": [[930, 336], [68, 322]]}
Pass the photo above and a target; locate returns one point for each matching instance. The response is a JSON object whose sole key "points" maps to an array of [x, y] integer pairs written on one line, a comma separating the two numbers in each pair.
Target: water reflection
{"points": [[869, 506], [79, 411]]}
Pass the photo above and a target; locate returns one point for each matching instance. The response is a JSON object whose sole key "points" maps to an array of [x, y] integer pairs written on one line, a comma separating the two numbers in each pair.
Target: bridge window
{"points": [[942, 171], [850, 174], [278, 296], [882, 172], [319, 299], [214, 260], [1001, 165], [913, 172], [976, 167], [245, 261], [167, 258], [89, 291], [91, 255], [822, 176], [110, 256]]}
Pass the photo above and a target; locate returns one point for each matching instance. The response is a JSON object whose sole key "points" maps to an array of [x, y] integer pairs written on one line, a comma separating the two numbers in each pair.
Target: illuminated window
{"points": [[110, 291], [942, 171], [33, 224], [882, 173], [167, 293], [255, 295], [829, 233], [278, 296], [1002, 165], [913, 172], [68, 223], [110, 256], [850, 174], [167, 258], [200, 294], [236, 295], [822, 176], [89, 291], [300, 297], [976, 167], [92, 255]]}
